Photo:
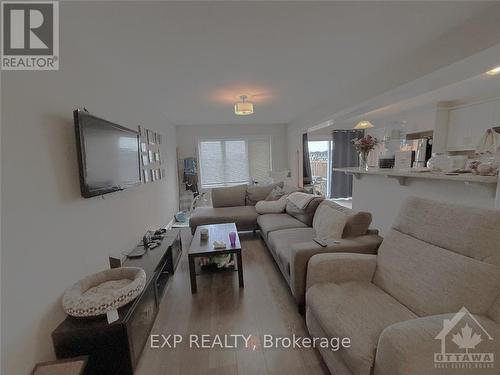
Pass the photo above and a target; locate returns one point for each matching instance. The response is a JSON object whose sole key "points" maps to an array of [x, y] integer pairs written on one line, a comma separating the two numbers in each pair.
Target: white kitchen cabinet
{"points": [[467, 124], [458, 129]]}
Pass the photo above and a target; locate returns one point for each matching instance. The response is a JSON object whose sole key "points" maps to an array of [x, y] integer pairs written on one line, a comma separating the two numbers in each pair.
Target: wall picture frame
{"points": [[150, 159]]}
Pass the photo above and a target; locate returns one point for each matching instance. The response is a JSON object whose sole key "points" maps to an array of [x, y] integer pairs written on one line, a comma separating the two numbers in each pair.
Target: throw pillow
{"points": [[259, 193], [280, 191], [271, 207], [329, 222], [275, 194]]}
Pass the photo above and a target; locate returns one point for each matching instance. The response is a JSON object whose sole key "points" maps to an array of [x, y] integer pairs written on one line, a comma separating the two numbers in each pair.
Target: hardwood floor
{"points": [[264, 306]]}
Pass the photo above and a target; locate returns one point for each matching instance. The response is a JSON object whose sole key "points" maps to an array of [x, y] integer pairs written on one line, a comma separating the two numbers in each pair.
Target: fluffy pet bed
{"points": [[104, 291]]}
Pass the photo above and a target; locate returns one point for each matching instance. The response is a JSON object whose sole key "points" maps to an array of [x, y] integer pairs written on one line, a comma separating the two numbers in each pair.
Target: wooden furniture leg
{"points": [[192, 274], [240, 269]]}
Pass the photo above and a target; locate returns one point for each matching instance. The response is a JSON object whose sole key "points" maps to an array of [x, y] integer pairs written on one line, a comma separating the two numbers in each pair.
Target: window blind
{"points": [[229, 162]]}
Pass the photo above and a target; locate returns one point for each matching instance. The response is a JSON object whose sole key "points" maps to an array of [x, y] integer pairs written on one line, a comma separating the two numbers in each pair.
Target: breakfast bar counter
{"points": [[402, 175], [381, 191]]}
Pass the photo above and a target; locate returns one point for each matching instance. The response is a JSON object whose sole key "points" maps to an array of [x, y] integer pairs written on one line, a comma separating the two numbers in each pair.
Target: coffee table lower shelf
{"points": [[193, 273], [199, 248]]}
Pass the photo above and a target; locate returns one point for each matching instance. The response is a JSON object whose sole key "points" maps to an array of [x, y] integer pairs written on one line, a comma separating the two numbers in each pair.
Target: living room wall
{"points": [[51, 236]]}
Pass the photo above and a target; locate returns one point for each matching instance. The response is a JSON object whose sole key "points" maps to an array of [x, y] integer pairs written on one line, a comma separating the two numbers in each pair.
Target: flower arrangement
{"points": [[363, 146]]}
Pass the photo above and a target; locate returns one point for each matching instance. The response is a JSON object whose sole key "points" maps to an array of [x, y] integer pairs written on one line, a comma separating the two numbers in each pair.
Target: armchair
{"points": [[432, 290]]}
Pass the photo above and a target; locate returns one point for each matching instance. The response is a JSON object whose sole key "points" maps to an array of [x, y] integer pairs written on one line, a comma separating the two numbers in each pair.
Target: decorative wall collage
{"points": [[151, 163]]}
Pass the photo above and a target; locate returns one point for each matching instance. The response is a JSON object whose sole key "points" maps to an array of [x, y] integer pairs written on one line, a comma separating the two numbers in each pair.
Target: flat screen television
{"points": [[108, 155]]}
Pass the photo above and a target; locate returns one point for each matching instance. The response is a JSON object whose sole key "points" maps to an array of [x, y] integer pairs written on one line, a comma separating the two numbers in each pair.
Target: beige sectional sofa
{"points": [[289, 238], [437, 259], [289, 235]]}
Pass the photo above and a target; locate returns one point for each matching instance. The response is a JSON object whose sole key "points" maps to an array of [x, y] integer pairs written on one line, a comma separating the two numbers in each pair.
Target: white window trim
{"points": [[268, 138]]}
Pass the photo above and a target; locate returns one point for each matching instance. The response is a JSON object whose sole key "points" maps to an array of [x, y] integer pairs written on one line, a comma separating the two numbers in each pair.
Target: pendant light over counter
{"points": [[364, 125]]}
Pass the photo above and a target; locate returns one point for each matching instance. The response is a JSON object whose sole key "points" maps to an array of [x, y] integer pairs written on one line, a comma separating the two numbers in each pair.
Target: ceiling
{"points": [[193, 59], [475, 89], [481, 87]]}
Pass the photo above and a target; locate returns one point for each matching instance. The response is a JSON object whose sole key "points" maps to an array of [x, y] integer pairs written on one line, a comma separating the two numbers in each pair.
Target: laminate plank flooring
{"points": [[264, 306]]}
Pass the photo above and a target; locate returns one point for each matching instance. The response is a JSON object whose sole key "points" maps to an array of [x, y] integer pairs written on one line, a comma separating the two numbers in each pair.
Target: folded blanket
{"points": [[301, 200]]}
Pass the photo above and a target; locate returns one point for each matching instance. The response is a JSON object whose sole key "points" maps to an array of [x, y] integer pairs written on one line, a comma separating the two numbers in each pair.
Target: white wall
{"points": [[383, 196], [187, 139], [51, 237]]}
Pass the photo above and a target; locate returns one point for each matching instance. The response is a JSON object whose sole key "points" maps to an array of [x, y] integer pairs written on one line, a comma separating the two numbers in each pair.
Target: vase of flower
{"points": [[363, 146], [363, 160]]}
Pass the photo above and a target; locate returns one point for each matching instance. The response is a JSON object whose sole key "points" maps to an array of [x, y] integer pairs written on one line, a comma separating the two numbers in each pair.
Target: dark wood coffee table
{"points": [[205, 248]]}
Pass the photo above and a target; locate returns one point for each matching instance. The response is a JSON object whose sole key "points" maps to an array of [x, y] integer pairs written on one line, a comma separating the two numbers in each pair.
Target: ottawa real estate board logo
{"points": [[30, 35], [464, 344]]}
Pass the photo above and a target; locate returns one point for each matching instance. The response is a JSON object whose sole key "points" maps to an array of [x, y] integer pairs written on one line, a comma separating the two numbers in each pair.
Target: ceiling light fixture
{"points": [[364, 125], [494, 71], [243, 108]]}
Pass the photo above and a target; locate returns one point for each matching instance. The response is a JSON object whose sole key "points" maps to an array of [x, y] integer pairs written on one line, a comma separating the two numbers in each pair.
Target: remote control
{"points": [[320, 242]]}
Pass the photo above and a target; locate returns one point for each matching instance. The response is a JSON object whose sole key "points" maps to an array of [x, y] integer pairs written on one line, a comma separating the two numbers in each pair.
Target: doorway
{"points": [[320, 152]]}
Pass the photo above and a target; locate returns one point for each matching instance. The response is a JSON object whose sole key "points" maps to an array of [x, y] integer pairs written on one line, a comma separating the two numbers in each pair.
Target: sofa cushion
{"points": [[305, 215], [272, 222], [332, 359], [259, 193], [232, 196], [245, 217], [328, 222], [431, 280], [469, 231], [281, 241], [358, 310], [271, 207]]}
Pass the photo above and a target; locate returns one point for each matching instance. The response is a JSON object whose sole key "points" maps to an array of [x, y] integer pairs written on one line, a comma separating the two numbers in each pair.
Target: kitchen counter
{"points": [[382, 191], [403, 175]]}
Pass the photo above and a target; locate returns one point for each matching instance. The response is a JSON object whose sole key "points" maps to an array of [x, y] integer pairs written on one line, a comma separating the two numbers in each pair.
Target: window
{"points": [[228, 162]]}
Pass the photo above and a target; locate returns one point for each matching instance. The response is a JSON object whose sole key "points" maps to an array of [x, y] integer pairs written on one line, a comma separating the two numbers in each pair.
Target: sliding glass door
{"points": [[320, 152]]}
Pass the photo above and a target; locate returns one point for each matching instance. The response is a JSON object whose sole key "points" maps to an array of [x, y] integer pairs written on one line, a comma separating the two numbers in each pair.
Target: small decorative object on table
{"points": [[219, 245], [363, 146], [204, 234], [232, 238]]}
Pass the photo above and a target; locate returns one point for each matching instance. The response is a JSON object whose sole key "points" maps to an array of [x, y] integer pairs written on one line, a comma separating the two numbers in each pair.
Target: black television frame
{"points": [[80, 148]]}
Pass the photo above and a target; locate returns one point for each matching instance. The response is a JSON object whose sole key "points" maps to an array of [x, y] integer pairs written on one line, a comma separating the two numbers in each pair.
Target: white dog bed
{"points": [[104, 291]]}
